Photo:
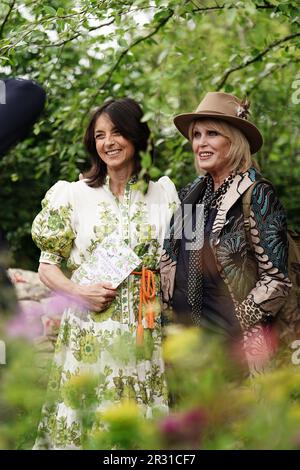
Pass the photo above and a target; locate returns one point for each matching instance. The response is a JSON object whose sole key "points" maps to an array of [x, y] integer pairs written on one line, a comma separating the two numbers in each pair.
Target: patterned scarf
{"points": [[210, 199]]}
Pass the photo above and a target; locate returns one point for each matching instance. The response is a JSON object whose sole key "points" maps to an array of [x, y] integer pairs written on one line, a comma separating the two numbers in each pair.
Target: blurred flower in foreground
{"points": [[183, 430], [57, 303], [121, 426], [180, 343], [23, 390], [34, 319], [27, 322], [80, 391], [297, 441], [256, 348], [124, 414]]}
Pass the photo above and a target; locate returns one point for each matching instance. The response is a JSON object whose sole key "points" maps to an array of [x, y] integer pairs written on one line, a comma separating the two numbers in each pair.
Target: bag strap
{"points": [[246, 202]]}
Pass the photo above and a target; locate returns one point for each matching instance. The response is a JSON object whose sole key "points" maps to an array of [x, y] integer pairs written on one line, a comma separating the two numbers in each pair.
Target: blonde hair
{"points": [[239, 155]]}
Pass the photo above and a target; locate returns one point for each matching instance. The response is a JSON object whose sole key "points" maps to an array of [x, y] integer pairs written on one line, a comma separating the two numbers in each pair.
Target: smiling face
{"points": [[113, 149], [210, 149]]}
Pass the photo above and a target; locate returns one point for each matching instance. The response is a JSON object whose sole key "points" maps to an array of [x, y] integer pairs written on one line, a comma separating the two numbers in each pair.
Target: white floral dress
{"points": [[74, 220]]}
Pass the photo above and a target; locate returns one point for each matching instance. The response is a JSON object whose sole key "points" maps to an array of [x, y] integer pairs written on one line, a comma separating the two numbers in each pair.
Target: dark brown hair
{"points": [[125, 114]]}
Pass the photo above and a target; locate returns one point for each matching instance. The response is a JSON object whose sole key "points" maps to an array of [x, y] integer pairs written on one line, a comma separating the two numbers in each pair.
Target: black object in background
{"points": [[21, 103], [24, 102]]}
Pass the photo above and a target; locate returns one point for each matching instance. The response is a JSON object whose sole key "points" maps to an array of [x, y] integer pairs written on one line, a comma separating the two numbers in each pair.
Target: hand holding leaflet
{"points": [[111, 261]]}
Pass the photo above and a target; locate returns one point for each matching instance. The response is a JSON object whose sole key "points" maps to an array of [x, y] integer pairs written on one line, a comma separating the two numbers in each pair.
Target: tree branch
{"points": [[125, 52], [255, 58], [265, 6], [270, 72], [135, 43], [48, 19], [94, 28], [11, 6]]}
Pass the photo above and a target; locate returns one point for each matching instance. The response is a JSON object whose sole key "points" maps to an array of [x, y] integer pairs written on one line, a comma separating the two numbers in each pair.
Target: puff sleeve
{"points": [[53, 228]]}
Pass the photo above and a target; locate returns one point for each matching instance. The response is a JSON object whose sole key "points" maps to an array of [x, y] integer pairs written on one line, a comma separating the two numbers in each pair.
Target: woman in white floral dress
{"points": [[101, 338]]}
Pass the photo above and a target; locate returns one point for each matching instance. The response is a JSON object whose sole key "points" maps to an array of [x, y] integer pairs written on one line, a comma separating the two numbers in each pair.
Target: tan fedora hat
{"points": [[225, 107]]}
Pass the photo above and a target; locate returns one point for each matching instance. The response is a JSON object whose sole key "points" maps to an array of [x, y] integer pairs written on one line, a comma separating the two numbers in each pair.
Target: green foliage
{"points": [[22, 387], [261, 412], [215, 405], [121, 427], [166, 54]]}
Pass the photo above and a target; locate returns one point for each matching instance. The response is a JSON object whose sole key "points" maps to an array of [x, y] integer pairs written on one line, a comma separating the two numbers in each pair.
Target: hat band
{"points": [[211, 112]]}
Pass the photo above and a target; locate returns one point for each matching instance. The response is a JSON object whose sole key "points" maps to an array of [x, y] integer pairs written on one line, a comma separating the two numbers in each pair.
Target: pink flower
{"points": [[296, 441], [256, 347], [58, 303], [27, 322]]}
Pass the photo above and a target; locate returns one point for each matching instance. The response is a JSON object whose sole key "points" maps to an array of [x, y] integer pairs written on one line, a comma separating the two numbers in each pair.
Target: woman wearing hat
{"points": [[224, 284]]}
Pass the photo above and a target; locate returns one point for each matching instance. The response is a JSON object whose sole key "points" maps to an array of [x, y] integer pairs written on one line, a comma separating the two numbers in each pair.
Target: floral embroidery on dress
{"points": [[56, 222]]}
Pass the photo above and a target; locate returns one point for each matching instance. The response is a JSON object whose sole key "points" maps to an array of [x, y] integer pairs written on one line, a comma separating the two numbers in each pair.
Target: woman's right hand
{"points": [[97, 297]]}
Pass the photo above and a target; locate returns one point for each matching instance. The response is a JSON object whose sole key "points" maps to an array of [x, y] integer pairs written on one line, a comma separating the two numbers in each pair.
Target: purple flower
{"points": [[184, 430], [26, 323], [170, 425], [58, 303]]}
